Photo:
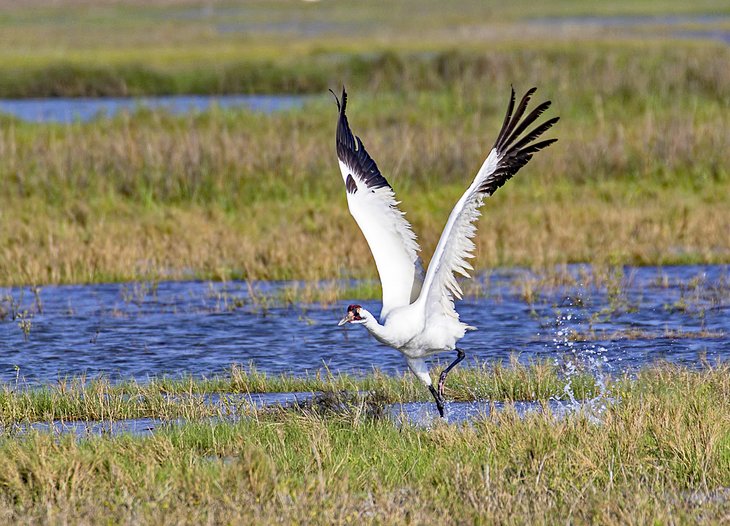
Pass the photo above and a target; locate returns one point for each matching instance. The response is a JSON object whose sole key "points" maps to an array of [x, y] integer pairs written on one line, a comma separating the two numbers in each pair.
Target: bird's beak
{"points": [[350, 316]]}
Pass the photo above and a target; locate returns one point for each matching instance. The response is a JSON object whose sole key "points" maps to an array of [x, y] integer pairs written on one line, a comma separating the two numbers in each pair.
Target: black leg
{"points": [[442, 379], [439, 400]]}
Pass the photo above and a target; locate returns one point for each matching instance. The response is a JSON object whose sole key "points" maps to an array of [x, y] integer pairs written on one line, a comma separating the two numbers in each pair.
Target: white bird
{"points": [[418, 317]]}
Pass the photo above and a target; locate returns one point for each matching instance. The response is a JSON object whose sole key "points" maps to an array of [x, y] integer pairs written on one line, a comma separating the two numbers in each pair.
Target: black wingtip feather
{"points": [[507, 115], [532, 117], [515, 152], [336, 100], [536, 147], [352, 153], [514, 119], [535, 133]]}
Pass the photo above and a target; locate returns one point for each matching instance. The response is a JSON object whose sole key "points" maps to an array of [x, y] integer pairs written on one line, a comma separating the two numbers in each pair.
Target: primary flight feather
{"points": [[418, 317]]}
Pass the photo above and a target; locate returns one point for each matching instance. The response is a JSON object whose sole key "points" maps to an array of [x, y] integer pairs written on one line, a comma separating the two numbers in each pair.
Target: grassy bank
{"points": [[661, 454], [99, 399], [127, 47], [639, 176]]}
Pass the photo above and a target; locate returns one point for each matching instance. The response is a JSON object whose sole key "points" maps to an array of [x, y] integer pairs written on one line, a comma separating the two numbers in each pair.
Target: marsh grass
{"points": [[218, 196], [639, 175], [99, 399], [197, 47], [660, 454]]}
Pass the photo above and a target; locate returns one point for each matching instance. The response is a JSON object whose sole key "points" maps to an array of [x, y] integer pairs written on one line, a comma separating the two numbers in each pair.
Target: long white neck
{"points": [[373, 326]]}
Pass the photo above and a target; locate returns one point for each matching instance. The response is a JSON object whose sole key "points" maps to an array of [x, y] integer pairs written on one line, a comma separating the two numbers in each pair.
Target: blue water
{"points": [[421, 414], [229, 406], [67, 110], [678, 314], [695, 27]]}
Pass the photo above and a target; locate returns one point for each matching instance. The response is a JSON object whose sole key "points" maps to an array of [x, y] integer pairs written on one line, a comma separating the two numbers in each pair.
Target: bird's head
{"points": [[354, 315]]}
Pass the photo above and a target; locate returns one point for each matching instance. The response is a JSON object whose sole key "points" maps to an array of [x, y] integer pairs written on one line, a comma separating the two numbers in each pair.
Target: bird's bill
{"points": [[345, 319]]}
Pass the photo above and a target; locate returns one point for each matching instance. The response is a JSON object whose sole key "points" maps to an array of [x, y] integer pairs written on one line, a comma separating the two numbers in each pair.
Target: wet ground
{"points": [[710, 26], [423, 414]]}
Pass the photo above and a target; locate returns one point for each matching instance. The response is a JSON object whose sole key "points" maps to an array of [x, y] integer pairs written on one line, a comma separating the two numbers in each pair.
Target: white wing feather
{"points": [[510, 152], [454, 248], [372, 203], [391, 241]]}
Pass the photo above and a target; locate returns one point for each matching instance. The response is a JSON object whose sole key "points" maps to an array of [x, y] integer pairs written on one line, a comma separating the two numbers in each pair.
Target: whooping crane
{"points": [[418, 317]]}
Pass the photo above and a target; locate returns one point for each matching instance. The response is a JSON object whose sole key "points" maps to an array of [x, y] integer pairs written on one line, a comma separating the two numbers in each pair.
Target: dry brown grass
{"points": [[180, 242], [220, 196]]}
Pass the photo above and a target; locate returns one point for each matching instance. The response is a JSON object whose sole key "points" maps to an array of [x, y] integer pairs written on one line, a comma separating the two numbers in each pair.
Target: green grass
{"points": [[661, 454], [100, 399], [640, 175], [75, 47]]}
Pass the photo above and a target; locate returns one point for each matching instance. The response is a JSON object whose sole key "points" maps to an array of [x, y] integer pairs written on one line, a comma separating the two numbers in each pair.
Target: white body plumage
{"points": [[418, 317]]}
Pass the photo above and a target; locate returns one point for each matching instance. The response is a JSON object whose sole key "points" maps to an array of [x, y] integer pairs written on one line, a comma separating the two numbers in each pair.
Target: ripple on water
{"points": [[678, 314]]}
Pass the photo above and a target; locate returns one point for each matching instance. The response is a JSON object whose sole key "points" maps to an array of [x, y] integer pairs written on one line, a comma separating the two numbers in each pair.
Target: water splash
{"points": [[576, 358]]}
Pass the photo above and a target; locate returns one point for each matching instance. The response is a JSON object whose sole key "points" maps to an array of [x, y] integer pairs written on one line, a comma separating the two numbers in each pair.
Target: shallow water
{"points": [[635, 20], [421, 414], [67, 110], [678, 314], [425, 413], [146, 426]]}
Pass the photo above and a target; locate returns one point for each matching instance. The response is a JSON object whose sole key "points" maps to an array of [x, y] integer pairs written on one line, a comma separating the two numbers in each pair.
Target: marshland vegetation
{"points": [[99, 399], [640, 176], [659, 452]]}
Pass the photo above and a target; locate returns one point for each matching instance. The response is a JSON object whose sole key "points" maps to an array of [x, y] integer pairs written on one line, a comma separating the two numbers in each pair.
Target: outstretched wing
{"points": [[512, 150], [372, 203]]}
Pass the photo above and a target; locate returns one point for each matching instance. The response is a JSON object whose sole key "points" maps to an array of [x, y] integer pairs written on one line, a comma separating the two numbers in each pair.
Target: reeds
{"points": [[166, 47], [639, 176]]}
